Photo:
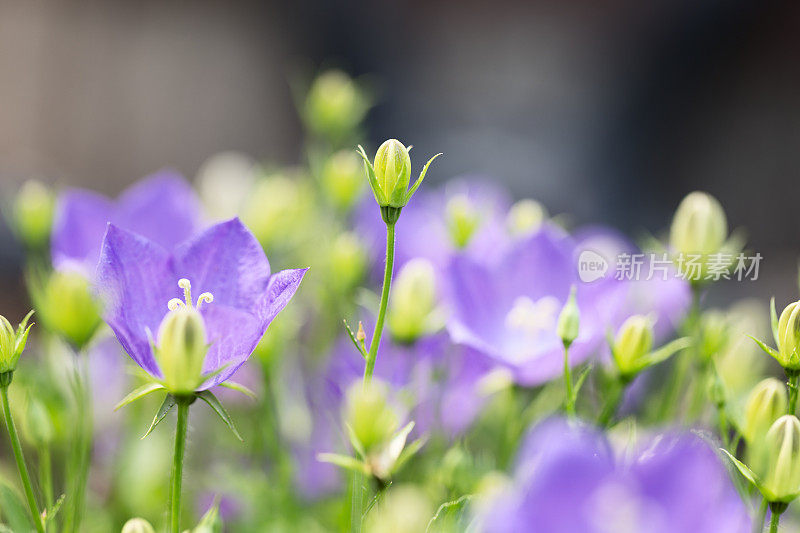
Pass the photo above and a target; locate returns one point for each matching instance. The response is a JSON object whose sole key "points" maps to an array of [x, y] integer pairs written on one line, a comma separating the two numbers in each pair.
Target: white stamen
{"points": [[206, 297], [175, 303], [186, 285]]}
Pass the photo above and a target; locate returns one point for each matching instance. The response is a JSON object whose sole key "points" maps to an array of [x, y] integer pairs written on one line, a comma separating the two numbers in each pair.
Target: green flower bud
{"points": [[525, 217], [393, 171], [412, 308], [780, 461], [335, 105], [181, 350], [67, 307], [569, 320], [137, 525], [348, 261], [33, 214], [369, 416], [463, 220], [714, 334], [633, 344], [211, 522], [342, 179], [699, 225], [789, 337], [12, 342], [225, 182], [765, 404], [280, 210], [390, 176]]}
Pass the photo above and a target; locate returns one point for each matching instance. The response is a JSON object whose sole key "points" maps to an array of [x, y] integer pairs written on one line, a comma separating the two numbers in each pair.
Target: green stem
{"points": [[23, 470], [387, 283], [82, 449], [569, 405], [684, 361], [177, 464], [356, 503], [612, 404], [773, 522], [793, 378], [758, 520], [46, 476]]}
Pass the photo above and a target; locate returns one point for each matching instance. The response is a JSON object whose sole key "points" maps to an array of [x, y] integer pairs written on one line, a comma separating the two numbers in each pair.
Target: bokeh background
{"points": [[610, 111]]}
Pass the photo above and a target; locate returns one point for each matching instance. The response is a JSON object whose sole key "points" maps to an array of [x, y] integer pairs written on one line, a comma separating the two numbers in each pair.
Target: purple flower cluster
{"points": [[568, 480]]}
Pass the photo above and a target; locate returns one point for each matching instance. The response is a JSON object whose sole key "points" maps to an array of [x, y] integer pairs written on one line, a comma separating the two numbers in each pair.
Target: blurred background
{"points": [[610, 111]]}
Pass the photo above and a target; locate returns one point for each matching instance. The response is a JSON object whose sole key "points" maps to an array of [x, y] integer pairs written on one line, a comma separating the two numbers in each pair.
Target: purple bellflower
{"points": [[162, 207], [141, 282]]}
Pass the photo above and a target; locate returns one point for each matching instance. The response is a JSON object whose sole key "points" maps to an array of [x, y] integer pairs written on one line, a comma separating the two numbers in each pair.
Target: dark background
{"points": [[608, 110]]}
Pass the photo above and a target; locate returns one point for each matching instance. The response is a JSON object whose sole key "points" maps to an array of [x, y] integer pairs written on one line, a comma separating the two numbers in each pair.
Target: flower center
{"points": [[532, 317], [187, 302]]}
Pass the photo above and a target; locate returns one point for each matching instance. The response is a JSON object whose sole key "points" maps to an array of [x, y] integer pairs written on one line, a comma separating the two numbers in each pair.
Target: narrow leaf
{"points": [[216, 406], [373, 180], [743, 468], [141, 392], [421, 177], [51, 513], [767, 349], [343, 461], [582, 378], [451, 516], [357, 446], [166, 406], [238, 387], [408, 452], [666, 351]]}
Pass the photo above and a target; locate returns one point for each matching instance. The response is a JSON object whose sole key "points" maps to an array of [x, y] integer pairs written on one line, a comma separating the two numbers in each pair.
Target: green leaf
{"points": [[666, 351], [582, 378], [238, 387], [773, 320], [141, 392], [743, 468], [421, 177], [216, 406], [166, 406], [407, 453], [451, 516], [357, 446], [343, 461], [53, 511], [770, 351], [13, 511]]}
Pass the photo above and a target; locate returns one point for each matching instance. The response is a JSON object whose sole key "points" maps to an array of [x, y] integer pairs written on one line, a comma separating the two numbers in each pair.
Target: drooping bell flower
{"points": [[161, 207], [189, 345]]}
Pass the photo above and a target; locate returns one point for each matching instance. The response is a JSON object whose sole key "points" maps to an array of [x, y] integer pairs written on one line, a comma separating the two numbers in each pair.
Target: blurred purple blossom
{"points": [[162, 207], [566, 480], [137, 277]]}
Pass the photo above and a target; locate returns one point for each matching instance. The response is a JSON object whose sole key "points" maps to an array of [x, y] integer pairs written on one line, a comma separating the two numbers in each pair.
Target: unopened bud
{"points": [[335, 105], [12, 342], [67, 307], [393, 171], [779, 467], [789, 337], [413, 303], [699, 225], [369, 415], [633, 343], [348, 261], [463, 220], [569, 320], [137, 525], [181, 350], [765, 404], [33, 214], [525, 217]]}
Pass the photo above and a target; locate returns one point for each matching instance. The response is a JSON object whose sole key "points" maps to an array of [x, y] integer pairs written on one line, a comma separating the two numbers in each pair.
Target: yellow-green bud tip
{"points": [[569, 320], [765, 403], [137, 525], [699, 225], [633, 343]]}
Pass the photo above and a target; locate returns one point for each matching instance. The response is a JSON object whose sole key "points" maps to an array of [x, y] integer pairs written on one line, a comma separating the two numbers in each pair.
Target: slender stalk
{"points": [[356, 502], [387, 283], [569, 404], [758, 520], [792, 384], [23, 470], [177, 464], [82, 449], [773, 522], [684, 360], [46, 476], [612, 404]]}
